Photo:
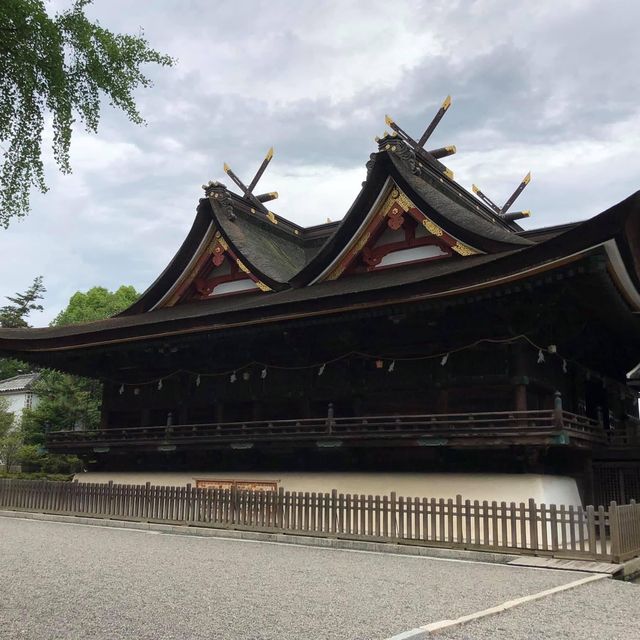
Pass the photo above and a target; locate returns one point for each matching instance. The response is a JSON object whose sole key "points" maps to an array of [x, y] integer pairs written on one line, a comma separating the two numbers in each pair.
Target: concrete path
{"points": [[604, 609], [67, 581]]}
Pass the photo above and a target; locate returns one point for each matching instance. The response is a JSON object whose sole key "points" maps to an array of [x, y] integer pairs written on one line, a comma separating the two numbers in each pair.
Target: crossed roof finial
{"points": [[502, 211], [247, 192], [432, 156]]}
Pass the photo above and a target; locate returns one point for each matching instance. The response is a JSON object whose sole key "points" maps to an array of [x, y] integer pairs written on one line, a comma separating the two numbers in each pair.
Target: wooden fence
{"points": [[605, 534]]}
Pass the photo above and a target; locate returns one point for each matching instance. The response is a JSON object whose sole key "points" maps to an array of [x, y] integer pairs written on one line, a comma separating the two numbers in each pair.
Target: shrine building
{"points": [[425, 343]]}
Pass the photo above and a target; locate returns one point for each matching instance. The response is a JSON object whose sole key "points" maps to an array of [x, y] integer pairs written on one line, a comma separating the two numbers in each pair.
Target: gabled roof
{"points": [[300, 272], [279, 254], [23, 382]]}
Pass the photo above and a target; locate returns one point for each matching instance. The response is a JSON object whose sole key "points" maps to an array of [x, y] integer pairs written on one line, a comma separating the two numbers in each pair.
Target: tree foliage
{"points": [[65, 402], [6, 418], [14, 315], [10, 440], [60, 65], [68, 402], [96, 304], [21, 305]]}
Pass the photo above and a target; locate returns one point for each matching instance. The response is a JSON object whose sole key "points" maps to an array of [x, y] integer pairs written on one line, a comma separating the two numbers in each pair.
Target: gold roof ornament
{"points": [[429, 157], [502, 212]]}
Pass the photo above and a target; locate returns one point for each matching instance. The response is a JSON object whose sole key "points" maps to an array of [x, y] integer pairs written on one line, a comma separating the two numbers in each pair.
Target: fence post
{"points": [[614, 532], [334, 511], [187, 509], [233, 504], [557, 410], [591, 531], [533, 524], [110, 492], [394, 515]]}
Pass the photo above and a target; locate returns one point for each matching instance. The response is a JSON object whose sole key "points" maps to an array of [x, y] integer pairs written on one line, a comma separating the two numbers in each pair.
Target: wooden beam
{"points": [[516, 193], [436, 120]]}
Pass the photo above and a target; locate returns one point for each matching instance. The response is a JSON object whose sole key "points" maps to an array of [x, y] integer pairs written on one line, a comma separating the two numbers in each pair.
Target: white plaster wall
{"points": [[472, 486], [17, 402]]}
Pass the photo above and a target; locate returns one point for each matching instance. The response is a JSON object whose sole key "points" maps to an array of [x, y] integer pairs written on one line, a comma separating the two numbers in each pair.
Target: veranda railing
{"points": [[606, 534]]}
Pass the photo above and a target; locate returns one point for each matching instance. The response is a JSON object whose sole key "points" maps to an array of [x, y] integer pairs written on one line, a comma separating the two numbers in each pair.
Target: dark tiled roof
{"points": [[459, 215], [275, 254], [289, 258]]}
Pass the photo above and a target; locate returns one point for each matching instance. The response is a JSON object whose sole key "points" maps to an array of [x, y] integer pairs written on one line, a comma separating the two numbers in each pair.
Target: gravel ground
{"points": [[604, 609], [62, 581]]}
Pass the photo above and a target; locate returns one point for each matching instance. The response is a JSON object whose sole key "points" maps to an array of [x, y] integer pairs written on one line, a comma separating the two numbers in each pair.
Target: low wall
{"points": [[517, 488]]}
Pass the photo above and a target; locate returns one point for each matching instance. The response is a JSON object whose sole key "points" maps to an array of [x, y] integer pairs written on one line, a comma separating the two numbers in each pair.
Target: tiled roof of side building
{"points": [[22, 382]]}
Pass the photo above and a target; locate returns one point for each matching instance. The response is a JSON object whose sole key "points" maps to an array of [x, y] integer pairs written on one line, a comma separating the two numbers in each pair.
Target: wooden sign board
{"points": [[240, 485]]}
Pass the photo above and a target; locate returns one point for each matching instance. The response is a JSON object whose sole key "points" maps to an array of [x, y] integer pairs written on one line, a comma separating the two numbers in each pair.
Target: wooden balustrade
{"points": [[604, 534], [506, 425]]}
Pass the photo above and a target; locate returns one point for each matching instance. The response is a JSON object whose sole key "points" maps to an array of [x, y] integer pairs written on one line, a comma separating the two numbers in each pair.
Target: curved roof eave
{"points": [[470, 226], [607, 232]]}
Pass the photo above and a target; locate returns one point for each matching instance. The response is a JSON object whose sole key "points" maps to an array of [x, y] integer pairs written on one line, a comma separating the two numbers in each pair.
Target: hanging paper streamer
{"points": [[392, 367], [444, 360], [246, 375], [540, 357], [233, 377], [198, 381], [136, 391], [159, 385], [263, 373], [121, 390], [321, 369], [564, 366]]}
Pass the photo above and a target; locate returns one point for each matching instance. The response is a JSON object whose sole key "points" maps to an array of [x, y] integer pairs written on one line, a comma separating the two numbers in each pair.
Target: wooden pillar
{"points": [[442, 403], [558, 413], [519, 379], [520, 396], [104, 408]]}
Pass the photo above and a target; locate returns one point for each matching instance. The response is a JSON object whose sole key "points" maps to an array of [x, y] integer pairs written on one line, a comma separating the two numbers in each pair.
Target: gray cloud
{"points": [[548, 87]]}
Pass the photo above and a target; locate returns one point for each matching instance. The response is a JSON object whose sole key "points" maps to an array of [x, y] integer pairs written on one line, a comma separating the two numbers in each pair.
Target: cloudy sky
{"points": [[550, 88]]}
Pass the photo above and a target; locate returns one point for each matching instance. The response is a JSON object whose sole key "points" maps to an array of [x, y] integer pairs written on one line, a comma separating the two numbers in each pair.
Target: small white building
{"points": [[18, 391]]}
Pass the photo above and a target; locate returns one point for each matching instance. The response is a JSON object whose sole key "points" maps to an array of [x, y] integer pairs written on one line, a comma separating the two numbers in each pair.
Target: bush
{"points": [[39, 475]]}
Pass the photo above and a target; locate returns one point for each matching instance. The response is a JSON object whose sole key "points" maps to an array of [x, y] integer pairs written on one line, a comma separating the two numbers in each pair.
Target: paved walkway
{"points": [[66, 581], [605, 609]]}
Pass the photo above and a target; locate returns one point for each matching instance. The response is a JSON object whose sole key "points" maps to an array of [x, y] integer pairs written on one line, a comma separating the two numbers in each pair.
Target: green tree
{"points": [[14, 315], [10, 440], [96, 304], [61, 66], [6, 418], [68, 402]]}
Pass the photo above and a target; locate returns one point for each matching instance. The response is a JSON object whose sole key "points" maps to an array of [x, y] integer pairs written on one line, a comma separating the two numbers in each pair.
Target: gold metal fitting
{"points": [[447, 103]]}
